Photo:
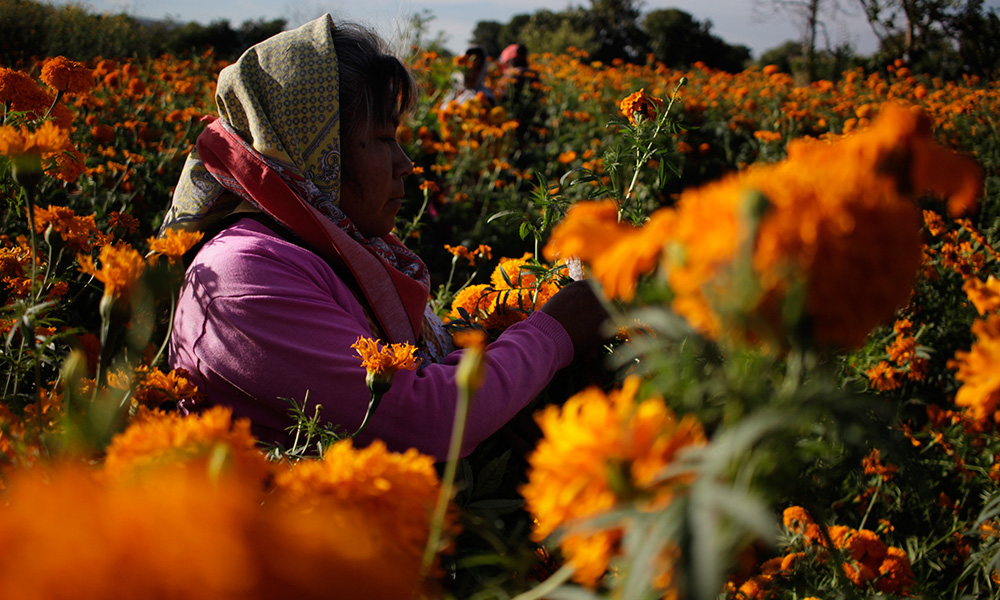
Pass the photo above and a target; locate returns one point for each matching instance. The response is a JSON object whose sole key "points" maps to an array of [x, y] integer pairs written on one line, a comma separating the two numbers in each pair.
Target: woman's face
{"points": [[372, 190]]}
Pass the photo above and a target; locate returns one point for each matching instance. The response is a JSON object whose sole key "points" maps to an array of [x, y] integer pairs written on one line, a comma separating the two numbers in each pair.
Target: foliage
{"points": [[689, 474]]}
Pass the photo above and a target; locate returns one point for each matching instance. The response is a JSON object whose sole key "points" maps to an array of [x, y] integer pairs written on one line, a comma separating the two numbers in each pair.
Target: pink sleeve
{"points": [[262, 322]]}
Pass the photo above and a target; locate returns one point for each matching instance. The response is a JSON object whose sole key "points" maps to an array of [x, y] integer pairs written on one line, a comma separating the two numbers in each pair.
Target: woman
{"points": [[302, 177]]}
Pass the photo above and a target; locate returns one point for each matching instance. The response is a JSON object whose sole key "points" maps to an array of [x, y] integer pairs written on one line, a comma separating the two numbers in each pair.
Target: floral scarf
{"points": [[276, 145]]}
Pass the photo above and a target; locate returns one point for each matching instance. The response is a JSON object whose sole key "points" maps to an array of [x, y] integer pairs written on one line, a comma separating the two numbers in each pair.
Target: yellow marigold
{"points": [[984, 295], [210, 442], [173, 245], [979, 371], [19, 141], [120, 269], [586, 440], [396, 493], [470, 255], [642, 103], [66, 75]]}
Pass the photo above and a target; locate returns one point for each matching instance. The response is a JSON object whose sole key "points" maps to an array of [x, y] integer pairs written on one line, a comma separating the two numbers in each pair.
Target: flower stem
{"points": [[448, 480]]}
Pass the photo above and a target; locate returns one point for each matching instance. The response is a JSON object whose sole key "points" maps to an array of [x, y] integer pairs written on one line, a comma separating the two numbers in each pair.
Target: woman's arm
{"points": [[261, 319]]}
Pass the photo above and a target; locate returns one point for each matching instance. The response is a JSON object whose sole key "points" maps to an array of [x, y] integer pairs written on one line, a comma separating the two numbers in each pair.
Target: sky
{"points": [[735, 21]]}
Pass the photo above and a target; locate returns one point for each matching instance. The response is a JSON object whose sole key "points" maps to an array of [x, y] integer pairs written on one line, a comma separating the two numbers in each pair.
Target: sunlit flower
{"points": [[979, 370], [599, 449], [174, 244], [640, 103], [66, 75], [120, 269], [470, 255], [153, 388], [883, 377], [75, 230], [381, 363]]}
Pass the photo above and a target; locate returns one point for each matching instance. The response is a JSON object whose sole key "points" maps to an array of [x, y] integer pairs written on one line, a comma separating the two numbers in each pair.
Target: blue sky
{"points": [[733, 20]]}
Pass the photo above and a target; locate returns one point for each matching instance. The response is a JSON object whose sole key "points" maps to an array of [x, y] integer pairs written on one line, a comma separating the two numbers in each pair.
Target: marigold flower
{"points": [[120, 269], [19, 141], [381, 363], [76, 231], [174, 244], [153, 388], [590, 437], [640, 103], [158, 440], [394, 492], [64, 75], [979, 371], [984, 295], [799, 522], [617, 252], [883, 377], [811, 228]]}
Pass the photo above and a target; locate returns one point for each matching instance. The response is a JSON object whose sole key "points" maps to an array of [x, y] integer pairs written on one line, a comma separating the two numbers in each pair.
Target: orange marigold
{"points": [[979, 371], [120, 269], [640, 103], [64, 75], [849, 230], [174, 244], [395, 493], [210, 443], [586, 440], [77, 231], [984, 295]]}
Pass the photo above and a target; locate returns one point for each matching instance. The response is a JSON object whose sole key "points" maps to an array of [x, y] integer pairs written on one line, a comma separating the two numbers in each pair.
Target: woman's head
{"points": [[375, 87]]}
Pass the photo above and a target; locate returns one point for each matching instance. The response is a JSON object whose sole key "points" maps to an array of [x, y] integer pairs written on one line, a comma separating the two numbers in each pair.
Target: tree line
{"points": [[32, 29], [945, 38]]}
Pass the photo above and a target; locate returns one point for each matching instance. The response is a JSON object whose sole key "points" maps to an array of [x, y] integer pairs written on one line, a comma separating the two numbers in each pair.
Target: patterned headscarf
{"points": [[279, 112]]}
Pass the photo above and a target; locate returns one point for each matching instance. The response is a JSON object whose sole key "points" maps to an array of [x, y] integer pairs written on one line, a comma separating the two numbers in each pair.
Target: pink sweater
{"points": [[261, 319]]}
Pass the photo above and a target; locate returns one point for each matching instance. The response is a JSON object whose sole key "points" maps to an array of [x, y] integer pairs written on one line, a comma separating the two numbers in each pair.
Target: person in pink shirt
{"points": [[297, 184]]}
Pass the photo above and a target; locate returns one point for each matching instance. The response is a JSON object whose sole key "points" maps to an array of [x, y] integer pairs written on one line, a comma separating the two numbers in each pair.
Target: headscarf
{"points": [[277, 145]]}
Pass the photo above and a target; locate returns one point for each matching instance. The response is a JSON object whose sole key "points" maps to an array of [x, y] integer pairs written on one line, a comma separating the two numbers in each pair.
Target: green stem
{"points": [[372, 405], [448, 480], [549, 585]]}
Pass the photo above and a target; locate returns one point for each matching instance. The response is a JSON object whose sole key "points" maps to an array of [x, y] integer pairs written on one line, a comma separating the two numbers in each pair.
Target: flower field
{"points": [[801, 398]]}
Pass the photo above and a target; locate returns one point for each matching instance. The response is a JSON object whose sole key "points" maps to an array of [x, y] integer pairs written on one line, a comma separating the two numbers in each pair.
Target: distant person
{"points": [[519, 88], [470, 82]]}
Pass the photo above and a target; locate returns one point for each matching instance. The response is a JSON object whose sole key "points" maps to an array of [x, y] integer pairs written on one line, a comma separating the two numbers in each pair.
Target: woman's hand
{"points": [[581, 314]]}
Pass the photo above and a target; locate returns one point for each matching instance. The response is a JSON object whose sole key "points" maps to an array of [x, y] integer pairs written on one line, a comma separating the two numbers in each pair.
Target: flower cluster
{"points": [[518, 287], [600, 449]]}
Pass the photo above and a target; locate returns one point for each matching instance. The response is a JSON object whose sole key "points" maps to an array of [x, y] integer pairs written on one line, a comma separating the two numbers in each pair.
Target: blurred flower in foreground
{"points": [[979, 370], [599, 449], [392, 494], [211, 443], [788, 250]]}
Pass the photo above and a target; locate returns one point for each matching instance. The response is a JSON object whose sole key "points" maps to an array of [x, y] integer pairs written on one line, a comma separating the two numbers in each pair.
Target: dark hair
{"points": [[375, 87]]}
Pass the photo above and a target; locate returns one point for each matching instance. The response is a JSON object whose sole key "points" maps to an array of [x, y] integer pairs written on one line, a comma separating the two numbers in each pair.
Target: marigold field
{"points": [[801, 399]]}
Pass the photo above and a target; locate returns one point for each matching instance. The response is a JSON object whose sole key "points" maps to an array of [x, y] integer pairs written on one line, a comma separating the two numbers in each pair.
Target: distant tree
{"points": [[254, 31], [548, 31], [910, 28], [810, 17], [488, 35], [783, 56], [827, 64], [978, 35], [678, 39], [615, 25]]}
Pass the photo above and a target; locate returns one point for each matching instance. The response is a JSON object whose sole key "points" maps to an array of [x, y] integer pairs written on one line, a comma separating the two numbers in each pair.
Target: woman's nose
{"points": [[404, 166]]}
